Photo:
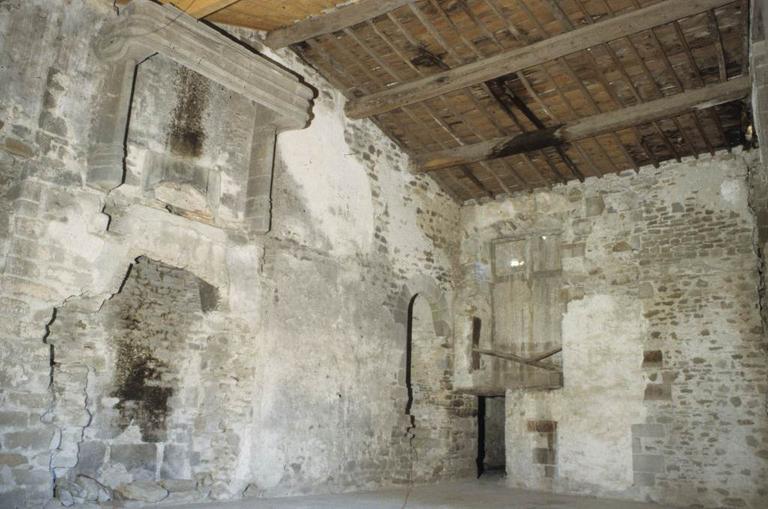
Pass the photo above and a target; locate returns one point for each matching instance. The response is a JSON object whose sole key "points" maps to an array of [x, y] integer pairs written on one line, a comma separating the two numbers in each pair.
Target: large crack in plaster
{"points": [[410, 433]]}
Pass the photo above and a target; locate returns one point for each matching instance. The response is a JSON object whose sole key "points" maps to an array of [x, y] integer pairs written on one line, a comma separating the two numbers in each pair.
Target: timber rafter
{"points": [[591, 126]]}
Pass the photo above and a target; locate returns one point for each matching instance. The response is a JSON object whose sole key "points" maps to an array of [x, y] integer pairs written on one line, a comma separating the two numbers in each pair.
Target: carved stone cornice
{"points": [[281, 102], [144, 28]]}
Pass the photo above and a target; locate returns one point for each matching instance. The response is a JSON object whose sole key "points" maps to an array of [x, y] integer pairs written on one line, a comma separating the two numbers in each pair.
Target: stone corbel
{"points": [[145, 28], [258, 203]]}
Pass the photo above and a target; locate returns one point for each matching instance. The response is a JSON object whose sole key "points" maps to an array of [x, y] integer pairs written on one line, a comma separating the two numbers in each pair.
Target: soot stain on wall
{"points": [[151, 321], [140, 401], [186, 133]]}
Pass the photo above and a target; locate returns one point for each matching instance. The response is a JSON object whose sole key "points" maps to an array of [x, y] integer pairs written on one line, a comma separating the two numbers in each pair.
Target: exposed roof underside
{"points": [[368, 49], [257, 14]]}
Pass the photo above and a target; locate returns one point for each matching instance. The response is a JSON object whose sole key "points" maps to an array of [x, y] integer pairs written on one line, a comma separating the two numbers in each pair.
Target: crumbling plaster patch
{"points": [[341, 201], [602, 398], [603, 394]]}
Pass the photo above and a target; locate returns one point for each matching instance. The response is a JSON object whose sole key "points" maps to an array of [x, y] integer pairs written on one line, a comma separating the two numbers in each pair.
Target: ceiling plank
{"points": [[202, 8], [196, 8], [332, 21], [612, 121], [515, 60]]}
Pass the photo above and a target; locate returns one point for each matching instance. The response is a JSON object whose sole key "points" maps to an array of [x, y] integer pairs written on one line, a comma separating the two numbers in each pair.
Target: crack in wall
{"points": [[410, 434], [47, 416]]}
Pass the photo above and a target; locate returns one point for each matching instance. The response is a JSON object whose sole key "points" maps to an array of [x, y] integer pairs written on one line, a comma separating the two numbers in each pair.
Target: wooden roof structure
{"points": [[257, 14], [499, 96]]}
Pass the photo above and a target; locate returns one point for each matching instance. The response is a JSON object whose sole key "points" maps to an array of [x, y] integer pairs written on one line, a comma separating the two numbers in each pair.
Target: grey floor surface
{"points": [[470, 494]]}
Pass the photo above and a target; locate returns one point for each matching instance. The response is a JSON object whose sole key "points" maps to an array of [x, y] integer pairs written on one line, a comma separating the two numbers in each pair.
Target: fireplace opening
{"points": [[149, 324], [129, 375]]}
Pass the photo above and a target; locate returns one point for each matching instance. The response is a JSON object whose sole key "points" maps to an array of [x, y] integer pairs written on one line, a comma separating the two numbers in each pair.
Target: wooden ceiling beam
{"points": [[538, 53], [612, 121], [332, 21]]}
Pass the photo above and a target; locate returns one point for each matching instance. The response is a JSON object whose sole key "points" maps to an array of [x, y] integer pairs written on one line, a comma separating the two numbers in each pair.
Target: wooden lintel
{"points": [[331, 21], [612, 121], [520, 360], [518, 59], [546, 355]]}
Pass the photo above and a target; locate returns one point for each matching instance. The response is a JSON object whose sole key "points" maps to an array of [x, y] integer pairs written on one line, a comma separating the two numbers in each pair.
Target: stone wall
{"points": [[290, 377], [759, 171], [291, 374], [664, 355]]}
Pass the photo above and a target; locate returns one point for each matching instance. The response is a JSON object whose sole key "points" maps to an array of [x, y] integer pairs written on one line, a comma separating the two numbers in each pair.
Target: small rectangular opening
{"points": [[652, 358], [476, 326]]}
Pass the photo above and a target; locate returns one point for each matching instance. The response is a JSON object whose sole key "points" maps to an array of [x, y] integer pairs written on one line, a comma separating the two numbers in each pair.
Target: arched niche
{"points": [[441, 430], [428, 289]]}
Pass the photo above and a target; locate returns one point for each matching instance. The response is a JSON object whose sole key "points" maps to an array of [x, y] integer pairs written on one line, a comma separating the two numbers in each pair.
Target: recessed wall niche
{"points": [[182, 152], [185, 148], [527, 303]]}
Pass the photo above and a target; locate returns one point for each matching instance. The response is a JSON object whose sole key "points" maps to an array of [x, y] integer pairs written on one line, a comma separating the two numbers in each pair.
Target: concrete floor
{"points": [[485, 494]]}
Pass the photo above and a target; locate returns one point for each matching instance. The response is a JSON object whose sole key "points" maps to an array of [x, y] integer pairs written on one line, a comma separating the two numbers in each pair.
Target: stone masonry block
{"points": [[90, 457], [138, 459], [594, 206], [38, 477], [30, 190], [174, 462], [26, 208], [648, 430], [12, 459], [658, 392], [543, 456], [644, 479], [650, 463], [652, 358], [34, 439], [14, 499], [645, 291], [573, 250], [542, 426], [13, 419]]}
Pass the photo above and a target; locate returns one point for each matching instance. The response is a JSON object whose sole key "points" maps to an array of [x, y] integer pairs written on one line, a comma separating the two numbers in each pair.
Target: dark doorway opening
{"points": [[491, 455]]}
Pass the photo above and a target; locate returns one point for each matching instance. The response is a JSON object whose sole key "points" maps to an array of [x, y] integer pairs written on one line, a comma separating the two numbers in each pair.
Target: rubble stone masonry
{"points": [[664, 354], [156, 353]]}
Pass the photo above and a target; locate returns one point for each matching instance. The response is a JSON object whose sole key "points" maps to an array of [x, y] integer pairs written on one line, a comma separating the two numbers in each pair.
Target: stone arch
{"points": [[426, 287], [440, 429]]}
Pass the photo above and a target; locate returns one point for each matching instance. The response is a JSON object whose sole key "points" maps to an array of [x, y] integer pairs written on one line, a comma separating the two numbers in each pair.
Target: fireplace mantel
{"points": [[143, 29]]}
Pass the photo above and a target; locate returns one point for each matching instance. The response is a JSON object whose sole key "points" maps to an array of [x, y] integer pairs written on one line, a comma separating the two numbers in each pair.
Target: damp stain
{"points": [[142, 400], [186, 135], [149, 323]]}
